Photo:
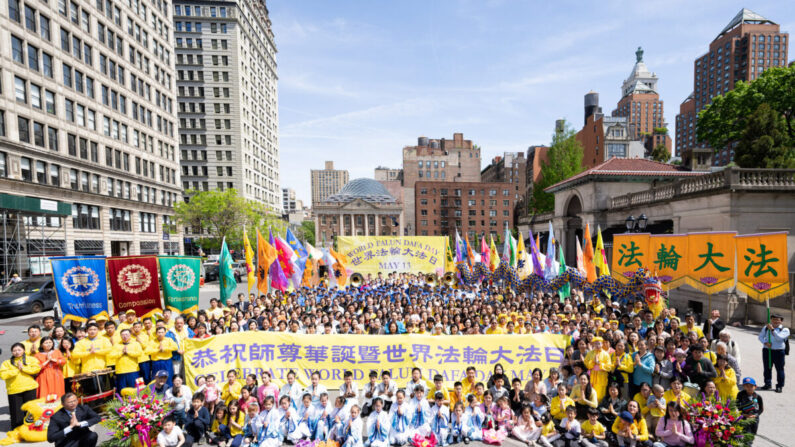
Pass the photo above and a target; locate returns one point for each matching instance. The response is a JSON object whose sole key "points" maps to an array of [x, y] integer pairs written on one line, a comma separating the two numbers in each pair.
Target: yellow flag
{"points": [[710, 258], [600, 257], [630, 252], [668, 259], [494, 257], [449, 262], [762, 265], [251, 276], [523, 267]]}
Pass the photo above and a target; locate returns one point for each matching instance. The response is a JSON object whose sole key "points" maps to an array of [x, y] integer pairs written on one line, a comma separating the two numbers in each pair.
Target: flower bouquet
{"points": [[135, 420], [717, 424]]}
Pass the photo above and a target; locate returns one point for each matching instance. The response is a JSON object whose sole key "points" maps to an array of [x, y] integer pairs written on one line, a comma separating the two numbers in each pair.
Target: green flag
{"points": [[226, 275], [564, 291], [179, 276]]}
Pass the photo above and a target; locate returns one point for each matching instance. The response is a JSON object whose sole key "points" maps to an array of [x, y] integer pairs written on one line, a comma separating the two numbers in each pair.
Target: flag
{"points": [[309, 272], [80, 286], [285, 255], [313, 252], [484, 251], [549, 270], [278, 278], [340, 267], [600, 257], [226, 275], [469, 255], [534, 254], [588, 260], [580, 261], [179, 276], [494, 257], [524, 268], [458, 256], [449, 262], [538, 240], [295, 244], [565, 291], [251, 276], [514, 254], [266, 254], [134, 285]]}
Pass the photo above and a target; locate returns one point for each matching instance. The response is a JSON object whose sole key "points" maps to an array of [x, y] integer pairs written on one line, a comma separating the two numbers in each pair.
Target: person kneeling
{"points": [[377, 425], [172, 436]]}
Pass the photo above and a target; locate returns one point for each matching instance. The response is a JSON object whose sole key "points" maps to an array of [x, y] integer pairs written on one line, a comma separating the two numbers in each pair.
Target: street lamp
{"points": [[630, 223], [642, 220]]}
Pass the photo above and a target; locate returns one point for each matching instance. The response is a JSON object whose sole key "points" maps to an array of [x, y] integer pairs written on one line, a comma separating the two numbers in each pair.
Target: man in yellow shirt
{"points": [[113, 337], [92, 350], [167, 319], [469, 382], [214, 312], [144, 364], [598, 362], [690, 326], [33, 341], [495, 328], [129, 319], [159, 351], [125, 355]]}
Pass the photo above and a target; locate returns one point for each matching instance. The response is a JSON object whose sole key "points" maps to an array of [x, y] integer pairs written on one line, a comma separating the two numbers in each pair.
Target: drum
{"points": [[94, 388]]}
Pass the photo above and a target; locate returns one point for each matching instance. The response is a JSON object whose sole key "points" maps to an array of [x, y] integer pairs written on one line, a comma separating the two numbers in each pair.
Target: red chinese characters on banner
{"points": [[134, 284]]}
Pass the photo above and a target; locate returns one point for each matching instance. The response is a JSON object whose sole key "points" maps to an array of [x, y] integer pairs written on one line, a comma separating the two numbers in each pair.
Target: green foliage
{"points": [[661, 130], [660, 153], [727, 119], [225, 213], [306, 232], [764, 141], [564, 159]]}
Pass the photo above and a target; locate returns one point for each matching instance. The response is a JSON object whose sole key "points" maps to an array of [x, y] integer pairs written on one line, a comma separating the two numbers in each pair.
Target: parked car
{"points": [[27, 296], [210, 271]]}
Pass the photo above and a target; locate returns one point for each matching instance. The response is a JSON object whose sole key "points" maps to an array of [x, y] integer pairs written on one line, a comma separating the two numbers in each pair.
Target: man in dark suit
{"points": [[69, 426], [713, 326]]}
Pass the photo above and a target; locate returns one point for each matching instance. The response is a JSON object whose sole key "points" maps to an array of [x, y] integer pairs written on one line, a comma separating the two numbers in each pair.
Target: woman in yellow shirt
{"points": [[19, 374], [231, 389], [72, 365], [638, 428], [675, 394], [584, 397], [726, 381]]}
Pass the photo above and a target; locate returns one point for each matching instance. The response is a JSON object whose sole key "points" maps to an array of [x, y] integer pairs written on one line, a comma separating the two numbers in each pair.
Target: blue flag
{"points": [[81, 287], [295, 244]]}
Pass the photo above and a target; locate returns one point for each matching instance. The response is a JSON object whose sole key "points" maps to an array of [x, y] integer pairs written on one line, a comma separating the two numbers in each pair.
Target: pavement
{"points": [[773, 430]]}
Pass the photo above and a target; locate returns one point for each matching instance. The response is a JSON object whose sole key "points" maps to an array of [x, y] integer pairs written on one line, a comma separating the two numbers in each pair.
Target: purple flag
{"points": [[534, 255], [278, 279]]}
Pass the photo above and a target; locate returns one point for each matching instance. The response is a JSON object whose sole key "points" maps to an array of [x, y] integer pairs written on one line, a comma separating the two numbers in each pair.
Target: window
{"points": [[33, 57], [52, 138], [13, 10], [16, 50], [120, 220], [85, 217], [147, 222], [23, 125], [55, 175], [3, 171], [20, 90], [30, 18], [38, 134], [41, 172], [24, 166], [47, 64]]}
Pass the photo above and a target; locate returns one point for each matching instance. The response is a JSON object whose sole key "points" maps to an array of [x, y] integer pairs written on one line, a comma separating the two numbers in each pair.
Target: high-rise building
{"points": [[289, 204], [640, 102], [604, 137], [456, 160], [326, 182], [511, 167], [746, 47], [88, 146], [226, 88]]}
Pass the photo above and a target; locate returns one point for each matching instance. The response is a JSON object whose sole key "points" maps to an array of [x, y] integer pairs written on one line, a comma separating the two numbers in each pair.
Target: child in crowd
{"points": [[352, 431], [456, 433], [378, 425], [569, 429], [440, 419], [399, 420], [300, 421], [593, 432], [419, 414], [526, 429], [473, 422]]}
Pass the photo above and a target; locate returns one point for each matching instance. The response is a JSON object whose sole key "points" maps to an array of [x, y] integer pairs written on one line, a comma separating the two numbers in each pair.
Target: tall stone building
{"points": [[88, 130], [289, 204], [743, 49], [456, 160], [228, 100], [640, 102], [326, 182]]}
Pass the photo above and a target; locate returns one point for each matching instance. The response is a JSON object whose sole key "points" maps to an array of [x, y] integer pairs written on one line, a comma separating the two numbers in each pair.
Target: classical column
{"points": [[400, 226], [317, 228], [377, 222], [366, 224], [342, 226]]}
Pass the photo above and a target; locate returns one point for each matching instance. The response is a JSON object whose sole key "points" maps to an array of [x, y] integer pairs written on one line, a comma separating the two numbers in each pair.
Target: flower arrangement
{"points": [[717, 424], [135, 420]]}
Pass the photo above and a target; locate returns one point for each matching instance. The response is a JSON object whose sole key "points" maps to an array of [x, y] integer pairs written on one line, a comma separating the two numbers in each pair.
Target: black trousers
{"points": [[778, 362], [195, 429], [89, 440], [15, 402]]}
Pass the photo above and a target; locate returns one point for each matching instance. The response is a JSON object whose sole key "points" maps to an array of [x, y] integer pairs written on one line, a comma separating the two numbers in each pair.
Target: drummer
{"points": [[92, 350], [125, 355]]}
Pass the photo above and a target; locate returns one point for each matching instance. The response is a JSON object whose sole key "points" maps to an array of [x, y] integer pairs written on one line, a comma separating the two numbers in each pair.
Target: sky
{"points": [[359, 80]]}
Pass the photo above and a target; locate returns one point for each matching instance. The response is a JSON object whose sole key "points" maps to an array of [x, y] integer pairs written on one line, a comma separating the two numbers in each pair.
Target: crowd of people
{"points": [[626, 379]]}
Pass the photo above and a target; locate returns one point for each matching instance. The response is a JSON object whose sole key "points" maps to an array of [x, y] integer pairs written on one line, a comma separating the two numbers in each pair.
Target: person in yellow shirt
{"points": [[34, 340], [72, 365], [623, 363], [438, 385], [125, 355], [144, 364], [676, 394], [690, 326], [19, 374], [559, 403], [469, 382], [457, 395], [214, 312], [149, 328], [495, 328], [167, 321], [113, 337], [642, 398], [599, 363], [92, 350], [159, 351], [231, 389], [726, 381], [593, 432], [129, 320]]}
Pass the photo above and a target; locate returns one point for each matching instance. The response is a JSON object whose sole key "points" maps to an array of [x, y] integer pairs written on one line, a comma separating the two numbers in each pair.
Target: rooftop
{"points": [[625, 168], [745, 16], [366, 189]]}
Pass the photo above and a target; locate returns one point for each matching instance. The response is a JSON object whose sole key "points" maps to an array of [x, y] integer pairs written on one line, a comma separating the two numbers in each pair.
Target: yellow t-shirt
{"points": [[92, 361], [589, 430], [558, 409], [20, 381], [153, 349], [240, 420], [126, 362]]}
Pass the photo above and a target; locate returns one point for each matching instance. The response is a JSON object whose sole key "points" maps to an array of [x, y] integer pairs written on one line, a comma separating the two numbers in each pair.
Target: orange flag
{"points": [[266, 254], [590, 268]]}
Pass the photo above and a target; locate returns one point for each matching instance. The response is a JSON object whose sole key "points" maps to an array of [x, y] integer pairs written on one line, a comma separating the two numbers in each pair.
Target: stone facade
{"points": [[326, 182]]}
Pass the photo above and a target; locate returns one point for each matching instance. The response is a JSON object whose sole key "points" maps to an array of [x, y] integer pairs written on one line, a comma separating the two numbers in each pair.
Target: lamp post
{"points": [[636, 225]]}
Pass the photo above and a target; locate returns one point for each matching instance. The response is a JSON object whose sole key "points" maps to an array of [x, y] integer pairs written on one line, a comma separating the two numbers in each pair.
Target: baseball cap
{"points": [[626, 415], [161, 373], [749, 381]]}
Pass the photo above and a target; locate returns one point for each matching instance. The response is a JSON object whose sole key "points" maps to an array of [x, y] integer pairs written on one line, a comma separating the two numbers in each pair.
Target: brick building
{"points": [[604, 137], [456, 160], [642, 106], [746, 47], [473, 208]]}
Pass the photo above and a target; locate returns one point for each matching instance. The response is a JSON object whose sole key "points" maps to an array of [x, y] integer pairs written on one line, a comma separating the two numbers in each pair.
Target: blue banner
{"points": [[81, 286]]}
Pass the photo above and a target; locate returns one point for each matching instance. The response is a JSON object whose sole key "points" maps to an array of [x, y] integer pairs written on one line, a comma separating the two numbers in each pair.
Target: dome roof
{"points": [[366, 189]]}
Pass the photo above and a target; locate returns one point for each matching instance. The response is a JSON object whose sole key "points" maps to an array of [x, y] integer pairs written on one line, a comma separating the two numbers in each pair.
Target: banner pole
{"points": [[769, 338]]}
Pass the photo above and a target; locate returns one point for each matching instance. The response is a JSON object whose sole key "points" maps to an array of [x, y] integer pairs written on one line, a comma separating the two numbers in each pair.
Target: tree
{"points": [[660, 153], [727, 118], [306, 232], [564, 159], [219, 214], [764, 141]]}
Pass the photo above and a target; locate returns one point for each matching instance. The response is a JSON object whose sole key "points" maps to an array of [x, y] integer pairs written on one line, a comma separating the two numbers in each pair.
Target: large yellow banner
{"points": [[410, 254], [762, 265], [668, 259], [332, 355], [630, 252], [711, 261]]}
